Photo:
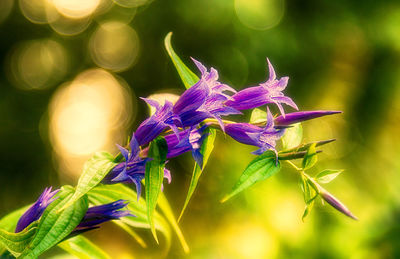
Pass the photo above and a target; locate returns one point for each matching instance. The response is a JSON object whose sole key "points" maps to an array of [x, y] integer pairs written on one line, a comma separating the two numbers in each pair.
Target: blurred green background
{"points": [[72, 72]]}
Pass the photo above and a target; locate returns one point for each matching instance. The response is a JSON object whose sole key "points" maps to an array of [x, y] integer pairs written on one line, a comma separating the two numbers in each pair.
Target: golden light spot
{"points": [[38, 64], [260, 14], [114, 45], [248, 240], [88, 115], [76, 8]]}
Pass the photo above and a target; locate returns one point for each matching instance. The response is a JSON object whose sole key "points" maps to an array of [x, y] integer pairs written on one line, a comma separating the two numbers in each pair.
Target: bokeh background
{"points": [[72, 71]]}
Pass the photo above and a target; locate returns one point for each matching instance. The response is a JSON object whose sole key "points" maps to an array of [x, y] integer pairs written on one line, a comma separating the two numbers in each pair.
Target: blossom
{"points": [[334, 202], [36, 210], [157, 123], [295, 117], [189, 140], [133, 169], [264, 138], [205, 99], [96, 215], [268, 92]]}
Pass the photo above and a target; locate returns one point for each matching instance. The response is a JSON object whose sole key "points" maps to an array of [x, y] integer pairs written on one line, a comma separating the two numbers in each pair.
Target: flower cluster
{"points": [[203, 105], [94, 215]]}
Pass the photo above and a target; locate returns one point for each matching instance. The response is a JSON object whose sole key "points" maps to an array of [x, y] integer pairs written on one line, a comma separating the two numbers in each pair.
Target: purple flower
{"points": [[268, 92], [36, 210], [157, 123], [295, 117], [132, 170], [99, 214], [189, 140], [264, 138], [205, 99]]}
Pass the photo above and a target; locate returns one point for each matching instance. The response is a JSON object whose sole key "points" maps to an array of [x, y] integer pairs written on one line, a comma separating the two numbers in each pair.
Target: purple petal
{"points": [[272, 74], [36, 210], [249, 98]]}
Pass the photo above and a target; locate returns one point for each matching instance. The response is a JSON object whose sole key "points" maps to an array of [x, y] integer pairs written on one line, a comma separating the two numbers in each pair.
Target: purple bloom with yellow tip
{"points": [[265, 138], [131, 170], [36, 210], [265, 93], [205, 99]]}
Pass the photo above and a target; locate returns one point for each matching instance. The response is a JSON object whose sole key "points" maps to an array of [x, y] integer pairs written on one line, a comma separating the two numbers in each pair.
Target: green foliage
{"points": [[206, 149], [17, 242], [292, 137], [9, 223], [188, 77], [154, 177], [166, 209], [83, 248], [327, 175], [310, 159], [309, 193], [261, 168], [55, 225], [94, 170]]}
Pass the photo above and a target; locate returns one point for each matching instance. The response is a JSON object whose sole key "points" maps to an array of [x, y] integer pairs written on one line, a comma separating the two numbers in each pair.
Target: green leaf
{"points": [[166, 209], [55, 225], [94, 170], [16, 243], [310, 158], [187, 76], [261, 168], [9, 223], [327, 175], [154, 177], [83, 248], [103, 194], [310, 194], [258, 116], [206, 149], [292, 137]]}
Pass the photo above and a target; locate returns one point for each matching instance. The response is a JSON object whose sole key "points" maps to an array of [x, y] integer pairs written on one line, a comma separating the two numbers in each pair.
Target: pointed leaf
{"points": [[261, 168], [206, 149], [292, 137], [187, 76], [328, 175], [258, 116], [55, 225], [154, 177], [169, 215], [310, 158], [16, 243], [310, 194], [83, 248], [94, 170]]}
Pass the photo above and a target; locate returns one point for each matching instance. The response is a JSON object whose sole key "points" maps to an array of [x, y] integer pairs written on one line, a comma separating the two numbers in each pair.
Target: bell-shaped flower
{"points": [[188, 140], [268, 92], [131, 170], [264, 138], [99, 214], [163, 118], [36, 210], [205, 99]]}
